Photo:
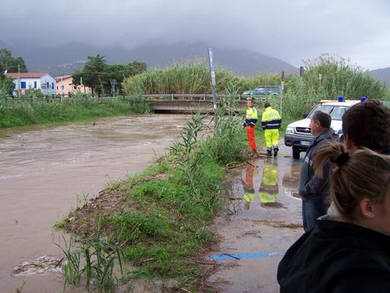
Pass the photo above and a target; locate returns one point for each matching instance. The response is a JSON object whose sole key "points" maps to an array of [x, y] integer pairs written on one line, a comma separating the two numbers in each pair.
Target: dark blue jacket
{"points": [[311, 185]]}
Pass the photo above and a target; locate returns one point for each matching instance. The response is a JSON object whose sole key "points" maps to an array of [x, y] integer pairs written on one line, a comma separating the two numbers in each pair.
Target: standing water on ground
{"points": [[262, 220], [43, 173]]}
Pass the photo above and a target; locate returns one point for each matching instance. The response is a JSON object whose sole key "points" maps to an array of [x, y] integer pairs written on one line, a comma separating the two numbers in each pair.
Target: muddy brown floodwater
{"points": [[262, 220], [42, 171]]}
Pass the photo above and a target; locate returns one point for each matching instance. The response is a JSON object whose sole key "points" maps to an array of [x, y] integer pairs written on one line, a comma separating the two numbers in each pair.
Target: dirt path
{"points": [[42, 171], [255, 235]]}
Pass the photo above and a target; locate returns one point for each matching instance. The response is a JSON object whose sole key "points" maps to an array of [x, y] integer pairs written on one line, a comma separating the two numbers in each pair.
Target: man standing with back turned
{"points": [[271, 122]]}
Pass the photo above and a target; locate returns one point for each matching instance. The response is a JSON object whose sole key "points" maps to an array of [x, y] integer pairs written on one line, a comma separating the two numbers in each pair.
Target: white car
{"points": [[298, 134]]}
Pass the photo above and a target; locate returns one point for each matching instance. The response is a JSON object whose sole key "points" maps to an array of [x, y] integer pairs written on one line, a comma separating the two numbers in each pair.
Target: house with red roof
{"points": [[33, 80]]}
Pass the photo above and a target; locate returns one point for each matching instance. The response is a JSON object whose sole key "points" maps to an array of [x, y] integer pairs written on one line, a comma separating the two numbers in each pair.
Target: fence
{"points": [[151, 97]]}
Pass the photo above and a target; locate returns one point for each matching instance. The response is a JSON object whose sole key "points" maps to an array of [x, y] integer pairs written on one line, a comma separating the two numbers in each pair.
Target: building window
{"points": [[52, 85], [35, 84], [47, 85], [22, 84]]}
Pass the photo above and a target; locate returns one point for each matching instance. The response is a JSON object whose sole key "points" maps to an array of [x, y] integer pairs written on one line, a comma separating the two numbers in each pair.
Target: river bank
{"points": [[39, 111], [42, 172], [158, 222]]}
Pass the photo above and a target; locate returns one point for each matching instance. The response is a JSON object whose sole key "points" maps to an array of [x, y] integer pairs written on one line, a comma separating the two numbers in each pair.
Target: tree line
{"points": [[103, 78], [9, 64]]}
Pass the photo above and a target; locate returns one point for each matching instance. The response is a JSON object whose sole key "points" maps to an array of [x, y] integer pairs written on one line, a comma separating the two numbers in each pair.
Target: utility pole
{"points": [[301, 71], [18, 88], [62, 85], [281, 91], [213, 81], [81, 83]]}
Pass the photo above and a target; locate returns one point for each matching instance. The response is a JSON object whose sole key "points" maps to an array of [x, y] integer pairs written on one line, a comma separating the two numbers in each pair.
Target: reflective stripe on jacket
{"points": [[251, 117], [271, 119]]}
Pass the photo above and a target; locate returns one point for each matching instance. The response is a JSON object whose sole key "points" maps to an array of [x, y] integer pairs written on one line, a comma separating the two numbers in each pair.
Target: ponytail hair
{"points": [[363, 174]]}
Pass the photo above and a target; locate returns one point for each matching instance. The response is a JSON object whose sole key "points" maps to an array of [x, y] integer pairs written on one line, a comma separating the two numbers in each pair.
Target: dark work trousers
{"points": [[312, 209]]}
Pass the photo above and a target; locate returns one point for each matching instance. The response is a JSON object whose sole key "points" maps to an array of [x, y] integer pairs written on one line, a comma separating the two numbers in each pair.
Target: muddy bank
{"points": [[42, 172], [262, 219]]}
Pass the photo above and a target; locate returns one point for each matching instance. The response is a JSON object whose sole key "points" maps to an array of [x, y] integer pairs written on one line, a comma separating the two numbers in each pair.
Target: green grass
{"points": [[192, 79], [325, 77], [162, 224], [39, 111]]}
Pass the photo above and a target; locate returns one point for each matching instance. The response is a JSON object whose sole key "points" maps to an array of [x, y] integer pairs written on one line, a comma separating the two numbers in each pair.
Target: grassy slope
{"points": [[160, 218], [14, 114]]}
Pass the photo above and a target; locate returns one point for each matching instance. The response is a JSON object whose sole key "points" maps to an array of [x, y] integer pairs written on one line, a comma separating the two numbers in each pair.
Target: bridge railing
{"points": [[195, 97], [179, 97]]}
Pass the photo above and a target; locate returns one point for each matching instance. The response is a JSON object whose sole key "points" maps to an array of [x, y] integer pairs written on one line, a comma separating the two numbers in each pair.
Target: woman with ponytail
{"points": [[349, 249]]}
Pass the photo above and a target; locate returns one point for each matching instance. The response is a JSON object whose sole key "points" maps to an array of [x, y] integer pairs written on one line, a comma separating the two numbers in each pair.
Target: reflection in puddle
{"points": [[266, 183], [266, 221], [261, 184], [290, 179]]}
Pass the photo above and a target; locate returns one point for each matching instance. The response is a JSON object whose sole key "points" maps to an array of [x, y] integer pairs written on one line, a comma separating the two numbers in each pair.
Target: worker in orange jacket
{"points": [[250, 124]]}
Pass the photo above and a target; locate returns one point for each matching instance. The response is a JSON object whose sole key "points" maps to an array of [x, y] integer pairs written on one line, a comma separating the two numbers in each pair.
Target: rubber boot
{"points": [[276, 150], [269, 152]]}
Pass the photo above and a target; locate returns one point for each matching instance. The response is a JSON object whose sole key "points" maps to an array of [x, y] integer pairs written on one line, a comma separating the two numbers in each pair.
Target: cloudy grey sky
{"points": [[289, 29]]}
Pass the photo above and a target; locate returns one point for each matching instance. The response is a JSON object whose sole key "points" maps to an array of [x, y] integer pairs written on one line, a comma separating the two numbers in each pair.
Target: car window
{"points": [[338, 112], [323, 108], [335, 112]]}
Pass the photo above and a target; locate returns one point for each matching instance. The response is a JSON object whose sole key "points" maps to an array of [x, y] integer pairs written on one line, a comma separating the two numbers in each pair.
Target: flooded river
{"points": [[43, 172]]}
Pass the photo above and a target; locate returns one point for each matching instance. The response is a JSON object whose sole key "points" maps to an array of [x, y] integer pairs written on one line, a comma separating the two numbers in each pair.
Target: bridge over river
{"points": [[185, 103]]}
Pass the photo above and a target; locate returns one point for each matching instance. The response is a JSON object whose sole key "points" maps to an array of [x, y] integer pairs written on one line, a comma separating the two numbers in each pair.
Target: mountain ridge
{"points": [[66, 58], [382, 74]]}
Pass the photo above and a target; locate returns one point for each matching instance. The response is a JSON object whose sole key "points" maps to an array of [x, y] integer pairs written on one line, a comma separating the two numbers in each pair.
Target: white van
{"points": [[298, 134]]}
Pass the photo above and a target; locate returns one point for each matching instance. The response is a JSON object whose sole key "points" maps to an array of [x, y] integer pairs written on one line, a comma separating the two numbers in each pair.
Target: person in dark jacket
{"points": [[314, 190], [349, 249]]}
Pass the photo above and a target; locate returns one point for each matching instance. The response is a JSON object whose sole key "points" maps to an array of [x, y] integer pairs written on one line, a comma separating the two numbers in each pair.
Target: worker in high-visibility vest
{"points": [[250, 124], [271, 122]]}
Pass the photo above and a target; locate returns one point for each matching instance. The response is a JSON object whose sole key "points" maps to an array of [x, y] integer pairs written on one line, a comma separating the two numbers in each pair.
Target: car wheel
{"points": [[296, 153]]}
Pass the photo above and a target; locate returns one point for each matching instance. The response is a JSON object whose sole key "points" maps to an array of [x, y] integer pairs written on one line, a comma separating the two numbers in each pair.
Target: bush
{"points": [[41, 111], [191, 79], [329, 76], [6, 86], [326, 78]]}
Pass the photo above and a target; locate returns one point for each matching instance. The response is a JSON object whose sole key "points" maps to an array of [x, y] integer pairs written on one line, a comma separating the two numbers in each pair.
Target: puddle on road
{"points": [[43, 170], [263, 219], [264, 185]]}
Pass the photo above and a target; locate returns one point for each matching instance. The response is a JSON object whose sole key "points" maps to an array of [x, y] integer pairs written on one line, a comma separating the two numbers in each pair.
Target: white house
{"points": [[33, 80]]}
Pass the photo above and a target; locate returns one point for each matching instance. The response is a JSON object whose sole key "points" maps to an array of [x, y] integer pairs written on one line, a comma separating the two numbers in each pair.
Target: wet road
{"points": [[42, 171], [262, 220]]}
